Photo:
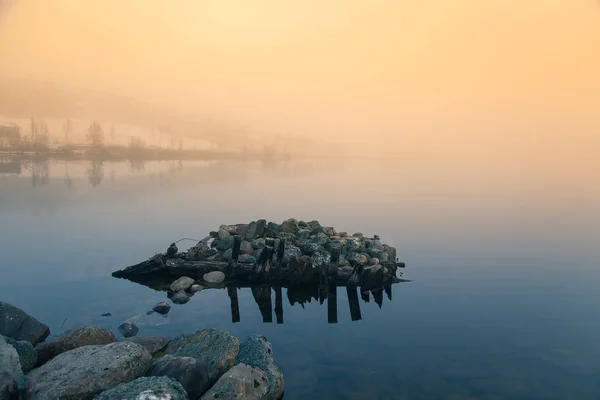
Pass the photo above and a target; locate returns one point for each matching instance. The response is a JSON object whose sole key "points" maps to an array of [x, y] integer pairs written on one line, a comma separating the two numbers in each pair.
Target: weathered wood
{"points": [[354, 278], [371, 277], [332, 304], [378, 296], [235, 307], [388, 290], [278, 304], [235, 253], [353, 303], [262, 296], [365, 295]]}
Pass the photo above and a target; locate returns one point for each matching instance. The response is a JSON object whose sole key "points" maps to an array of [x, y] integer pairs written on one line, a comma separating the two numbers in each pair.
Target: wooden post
{"points": [[335, 262], [262, 296], [388, 290], [235, 307], [378, 296], [364, 295], [353, 303], [278, 305], [235, 253], [332, 304], [278, 264]]}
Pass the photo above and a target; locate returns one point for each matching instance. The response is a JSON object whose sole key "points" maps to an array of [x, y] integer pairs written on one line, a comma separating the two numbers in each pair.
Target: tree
{"points": [[95, 136]]}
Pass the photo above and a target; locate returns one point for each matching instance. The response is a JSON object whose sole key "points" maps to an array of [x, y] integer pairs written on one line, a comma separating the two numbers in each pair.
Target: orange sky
{"points": [[396, 71]]}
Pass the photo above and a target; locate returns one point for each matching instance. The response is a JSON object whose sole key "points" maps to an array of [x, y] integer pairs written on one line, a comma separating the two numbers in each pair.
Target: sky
{"points": [[398, 75]]}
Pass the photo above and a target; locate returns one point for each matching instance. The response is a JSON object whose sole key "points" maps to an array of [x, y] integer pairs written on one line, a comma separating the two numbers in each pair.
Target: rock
{"points": [[153, 344], [26, 351], [256, 229], [213, 234], [17, 324], [290, 226], [247, 248], [214, 277], [272, 230], [240, 382], [201, 252], [373, 245], [321, 257], [106, 314], [316, 230], [257, 253], [182, 283], [357, 258], [11, 374], [214, 348], [309, 248], [258, 243], [72, 339], [314, 224], [343, 261], [374, 261], [180, 297], [127, 329], [390, 252], [85, 372], [172, 250], [146, 388], [226, 256], [162, 308], [242, 230], [358, 235], [329, 231], [247, 259], [196, 288], [303, 234], [257, 352], [343, 234], [322, 239], [231, 229], [226, 243], [190, 372], [303, 225], [222, 233], [287, 236], [290, 252]]}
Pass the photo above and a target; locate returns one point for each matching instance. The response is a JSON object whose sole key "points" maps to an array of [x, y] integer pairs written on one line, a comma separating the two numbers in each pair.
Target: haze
{"points": [[389, 77]]}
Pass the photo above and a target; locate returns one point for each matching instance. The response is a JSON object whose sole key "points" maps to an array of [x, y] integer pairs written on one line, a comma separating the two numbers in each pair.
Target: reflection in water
{"points": [[68, 180], [40, 172], [137, 165], [95, 172]]}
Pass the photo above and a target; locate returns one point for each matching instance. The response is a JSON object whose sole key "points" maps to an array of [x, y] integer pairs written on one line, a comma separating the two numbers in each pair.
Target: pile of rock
{"points": [[308, 239], [90, 363]]}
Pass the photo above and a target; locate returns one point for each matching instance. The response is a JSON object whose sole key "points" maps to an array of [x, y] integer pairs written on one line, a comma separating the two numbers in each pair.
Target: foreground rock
{"points": [[190, 372], [146, 388], [240, 382], [72, 339], [27, 353], [85, 372], [153, 344], [256, 351], [216, 349], [17, 324], [10, 371]]}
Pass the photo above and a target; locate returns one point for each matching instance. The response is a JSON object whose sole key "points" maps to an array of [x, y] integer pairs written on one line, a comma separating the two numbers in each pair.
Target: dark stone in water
{"points": [[127, 329], [180, 297], [106, 314], [17, 324], [162, 308], [190, 372]]}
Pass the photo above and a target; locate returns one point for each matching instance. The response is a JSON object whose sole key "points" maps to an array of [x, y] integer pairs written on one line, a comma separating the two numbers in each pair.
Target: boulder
{"points": [[182, 283], [85, 372], [214, 277], [357, 258], [240, 382], [196, 288], [272, 230], [320, 257], [214, 348], [26, 351], [222, 233], [321, 239], [329, 231], [231, 229], [246, 259], [226, 243], [190, 372], [358, 235], [258, 243], [256, 229], [146, 388], [257, 352], [314, 224], [291, 252], [290, 226], [11, 374], [17, 324], [242, 229], [226, 256], [180, 297], [162, 308], [247, 248], [72, 339], [127, 329], [303, 234], [153, 344]]}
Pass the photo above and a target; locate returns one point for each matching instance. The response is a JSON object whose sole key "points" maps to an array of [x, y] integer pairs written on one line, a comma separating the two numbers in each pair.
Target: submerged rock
{"points": [[256, 351], [127, 329], [214, 277], [162, 308], [10, 371], [240, 382], [180, 297], [17, 324], [214, 348], [190, 372], [72, 339], [85, 372], [27, 353], [146, 388], [182, 283]]}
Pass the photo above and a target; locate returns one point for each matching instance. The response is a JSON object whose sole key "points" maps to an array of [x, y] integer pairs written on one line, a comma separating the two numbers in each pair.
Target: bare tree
{"points": [[95, 136]]}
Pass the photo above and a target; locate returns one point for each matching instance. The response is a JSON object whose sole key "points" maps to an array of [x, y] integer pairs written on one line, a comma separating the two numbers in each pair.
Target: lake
{"points": [[504, 259]]}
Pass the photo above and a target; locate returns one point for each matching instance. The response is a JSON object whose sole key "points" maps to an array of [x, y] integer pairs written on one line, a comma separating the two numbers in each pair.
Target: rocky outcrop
{"points": [[10, 371], [256, 351], [146, 388], [240, 382], [85, 372], [190, 372], [27, 353], [72, 339], [17, 324], [216, 349]]}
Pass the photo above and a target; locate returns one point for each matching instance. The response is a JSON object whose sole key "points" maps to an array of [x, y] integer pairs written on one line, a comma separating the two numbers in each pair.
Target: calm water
{"points": [[504, 302]]}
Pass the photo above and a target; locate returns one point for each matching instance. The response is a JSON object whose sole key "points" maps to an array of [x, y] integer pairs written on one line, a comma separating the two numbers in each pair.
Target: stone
{"points": [[27, 353], [190, 372], [182, 283], [287, 236], [256, 351], [246, 259], [320, 257], [290, 226], [162, 308], [17, 324], [146, 388], [214, 348], [343, 261], [214, 277], [322, 239], [201, 252], [226, 256], [373, 245], [343, 234], [290, 252], [196, 288], [231, 229], [153, 344], [172, 250], [330, 231], [180, 297], [314, 224], [257, 253], [240, 382], [226, 243], [357, 258], [106, 314], [127, 329], [316, 230], [213, 234], [11, 373], [261, 226], [242, 230], [247, 248], [358, 235], [272, 230], [73, 339], [309, 248], [85, 372], [374, 261], [258, 243], [222, 233], [390, 252], [303, 225]]}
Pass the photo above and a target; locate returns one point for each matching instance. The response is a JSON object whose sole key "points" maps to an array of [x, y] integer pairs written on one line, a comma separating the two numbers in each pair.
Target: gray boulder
{"points": [[146, 388], [258, 243], [214, 348], [85, 372], [272, 230], [190, 372], [26, 351], [127, 329], [240, 382], [182, 283], [152, 344], [256, 351], [17, 324], [290, 226], [214, 277], [73, 339], [246, 259], [246, 248], [10, 371], [226, 243], [291, 252]]}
